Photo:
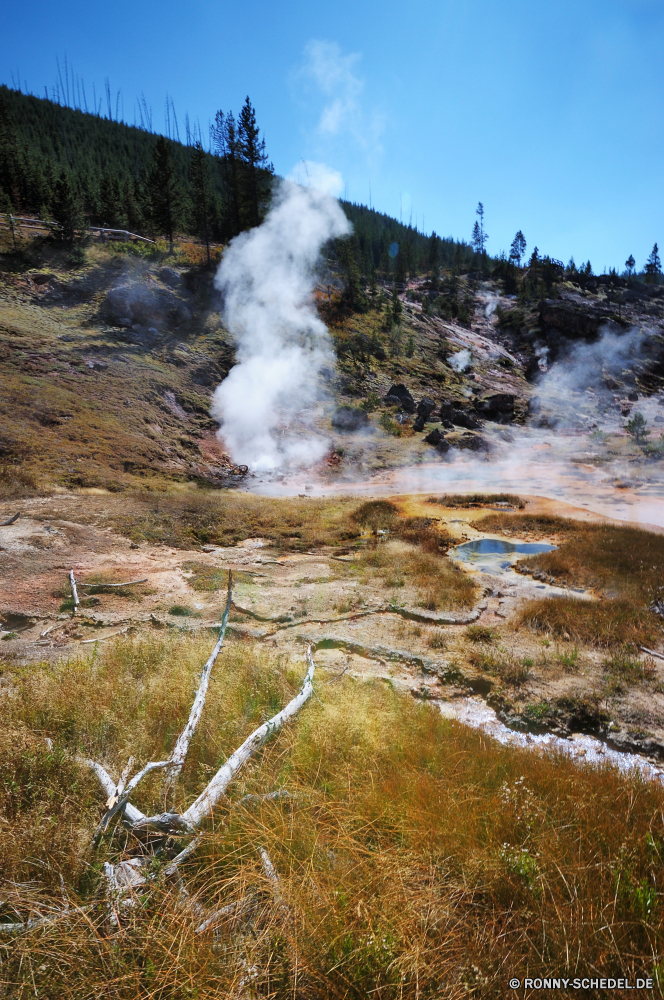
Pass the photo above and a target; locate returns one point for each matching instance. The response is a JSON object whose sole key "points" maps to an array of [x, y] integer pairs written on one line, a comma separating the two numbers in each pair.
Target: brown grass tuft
{"points": [[617, 622]]}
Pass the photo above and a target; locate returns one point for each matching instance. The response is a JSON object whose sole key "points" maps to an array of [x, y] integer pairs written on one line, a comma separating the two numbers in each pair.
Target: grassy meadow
{"points": [[416, 857]]}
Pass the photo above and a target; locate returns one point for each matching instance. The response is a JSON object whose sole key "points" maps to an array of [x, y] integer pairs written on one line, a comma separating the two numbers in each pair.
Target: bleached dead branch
{"points": [[4, 524], [210, 796], [129, 583], [74, 592], [181, 747]]}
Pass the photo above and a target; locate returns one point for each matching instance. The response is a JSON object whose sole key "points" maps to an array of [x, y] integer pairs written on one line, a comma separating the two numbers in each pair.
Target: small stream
{"points": [[474, 712]]}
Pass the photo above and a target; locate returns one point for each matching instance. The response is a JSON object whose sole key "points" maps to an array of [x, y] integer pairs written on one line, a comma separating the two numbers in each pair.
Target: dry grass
{"points": [[225, 517], [465, 500], [438, 582], [417, 858], [613, 622], [622, 564]]}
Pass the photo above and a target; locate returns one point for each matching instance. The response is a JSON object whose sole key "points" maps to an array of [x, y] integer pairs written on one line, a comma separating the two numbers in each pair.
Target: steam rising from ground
{"points": [[266, 404]]}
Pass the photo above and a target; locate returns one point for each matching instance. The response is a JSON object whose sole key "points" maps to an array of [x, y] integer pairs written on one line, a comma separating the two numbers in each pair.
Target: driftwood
{"points": [[180, 749], [651, 652], [74, 592], [4, 524], [210, 796], [122, 880]]}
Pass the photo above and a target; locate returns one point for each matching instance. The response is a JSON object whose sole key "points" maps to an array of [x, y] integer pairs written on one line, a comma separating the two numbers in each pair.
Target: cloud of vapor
{"points": [[266, 403], [574, 387], [307, 173], [334, 75]]}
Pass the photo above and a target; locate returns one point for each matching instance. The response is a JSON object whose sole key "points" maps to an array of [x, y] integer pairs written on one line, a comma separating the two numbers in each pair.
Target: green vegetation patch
{"points": [[464, 500]]}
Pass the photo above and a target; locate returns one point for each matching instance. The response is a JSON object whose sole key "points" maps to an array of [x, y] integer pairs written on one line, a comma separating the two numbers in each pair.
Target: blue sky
{"points": [[550, 114]]}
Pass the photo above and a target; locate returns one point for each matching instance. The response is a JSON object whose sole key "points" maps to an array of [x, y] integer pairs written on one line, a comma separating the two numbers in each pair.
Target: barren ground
{"points": [[366, 622]]}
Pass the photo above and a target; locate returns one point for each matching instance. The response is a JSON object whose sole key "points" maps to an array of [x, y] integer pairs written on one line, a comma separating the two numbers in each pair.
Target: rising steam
{"points": [[267, 276]]}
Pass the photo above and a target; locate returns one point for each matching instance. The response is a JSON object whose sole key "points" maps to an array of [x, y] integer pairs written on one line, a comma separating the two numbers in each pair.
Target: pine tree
{"points": [[476, 238], [110, 203], [483, 236], [10, 157], [254, 160], [199, 176], [434, 255], [66, 209], [630, 264], [518, 248], [654, 265], [226, 144], [165, 192]]}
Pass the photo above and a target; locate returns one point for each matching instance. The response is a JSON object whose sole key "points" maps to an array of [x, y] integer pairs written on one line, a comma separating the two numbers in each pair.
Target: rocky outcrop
{"points": [[349, 419], [499, 407], [451, 415], [400, 393], [572, 320], [146, 303]]}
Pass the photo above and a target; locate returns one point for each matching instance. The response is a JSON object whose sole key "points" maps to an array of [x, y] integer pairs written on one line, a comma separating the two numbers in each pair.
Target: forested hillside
{"points": [[73, 167]]}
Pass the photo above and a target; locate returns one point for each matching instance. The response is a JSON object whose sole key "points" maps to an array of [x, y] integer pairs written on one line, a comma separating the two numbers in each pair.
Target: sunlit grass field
{"points": [[417, 858]]}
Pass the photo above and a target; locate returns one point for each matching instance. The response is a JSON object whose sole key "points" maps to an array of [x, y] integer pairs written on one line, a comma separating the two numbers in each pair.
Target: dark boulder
{"points": [[392, 401], [633, 396], [434, 436], [438, 441], [170, 276], [142, 303], [424, 407], [418, 423], [450, 414], [498, 407], [473, 442], [349, 419], [405, 399]]}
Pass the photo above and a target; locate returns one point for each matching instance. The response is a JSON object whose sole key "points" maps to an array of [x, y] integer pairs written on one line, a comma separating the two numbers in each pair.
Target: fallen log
{"points": [[129, 583], [4, 524], [651, 652]]}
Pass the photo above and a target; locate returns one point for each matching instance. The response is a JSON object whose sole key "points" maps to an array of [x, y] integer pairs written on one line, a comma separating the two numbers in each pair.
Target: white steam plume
{"points": [[265, 405]]}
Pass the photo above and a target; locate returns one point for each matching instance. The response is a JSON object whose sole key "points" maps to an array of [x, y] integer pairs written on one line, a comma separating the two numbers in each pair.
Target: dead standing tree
{"points": [[159, 833]]}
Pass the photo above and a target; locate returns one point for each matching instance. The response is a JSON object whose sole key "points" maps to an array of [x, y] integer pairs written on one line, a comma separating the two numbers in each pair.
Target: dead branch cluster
{"points": [[163, 834]]}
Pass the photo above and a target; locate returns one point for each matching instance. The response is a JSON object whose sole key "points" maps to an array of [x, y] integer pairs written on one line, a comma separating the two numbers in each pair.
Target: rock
{"points": [[392, 401], [170, 276], [499, 407], [424, 407], [633, 397], [534, 405], [472, 442], [435, 438], [137, 302], [418, 423], [611, 383], [349, 419], [406, 401]]}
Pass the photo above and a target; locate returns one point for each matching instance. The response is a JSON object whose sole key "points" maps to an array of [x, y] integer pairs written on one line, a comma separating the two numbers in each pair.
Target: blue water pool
{"points": [[494, 554]]}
